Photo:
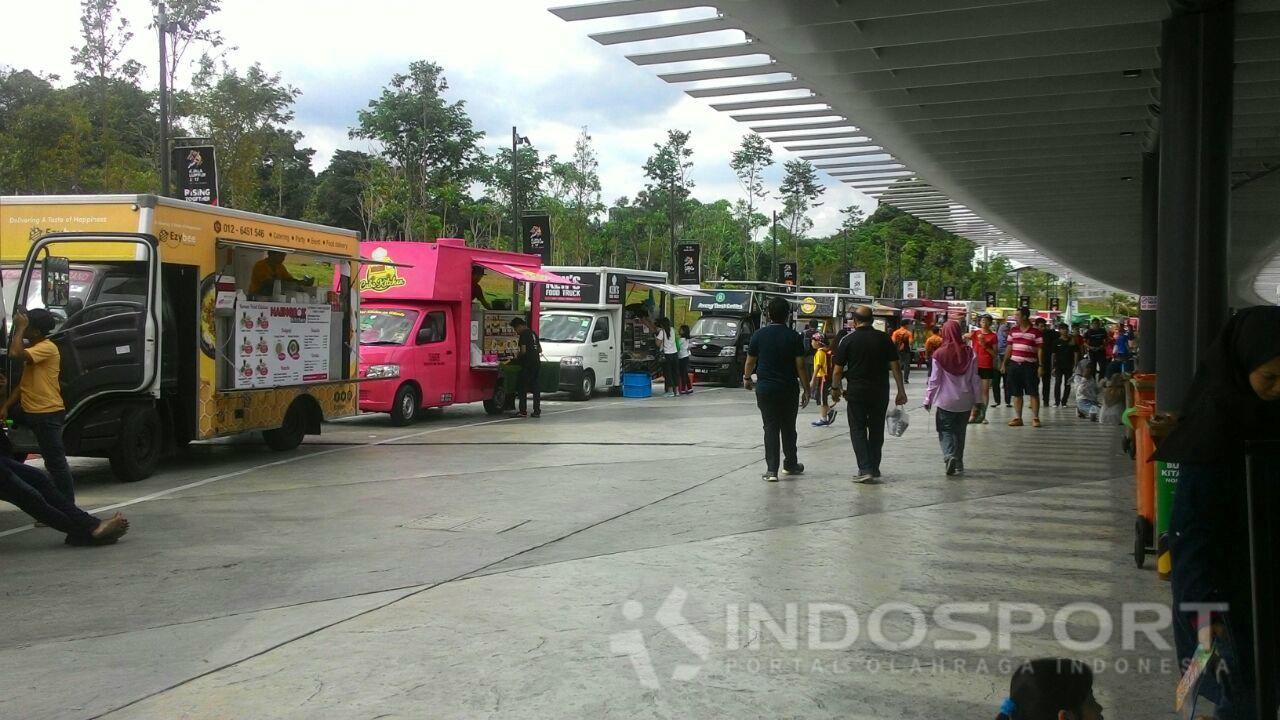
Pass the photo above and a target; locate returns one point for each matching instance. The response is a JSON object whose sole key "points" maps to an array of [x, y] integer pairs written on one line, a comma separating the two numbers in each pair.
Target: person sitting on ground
{"points": [[34, 494], [1085, 384], [1051, 689], [954, 387], [822, 380], [1113, 399]]}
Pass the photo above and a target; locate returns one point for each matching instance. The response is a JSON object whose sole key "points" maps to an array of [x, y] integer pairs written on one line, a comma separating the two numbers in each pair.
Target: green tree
{"points": [[335, 199], [189, 29], [285, 179], [430, 140], [104, 34], [799, 193], [669, 183], [749, 162]]}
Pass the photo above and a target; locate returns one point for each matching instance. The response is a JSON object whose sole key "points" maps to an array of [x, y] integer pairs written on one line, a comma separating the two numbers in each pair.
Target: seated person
{"points": [[269, 269], [1086, 391], [33, 493]]}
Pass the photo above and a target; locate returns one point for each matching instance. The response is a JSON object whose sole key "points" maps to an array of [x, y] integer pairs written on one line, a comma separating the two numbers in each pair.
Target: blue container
{"points": [[637, 385]]}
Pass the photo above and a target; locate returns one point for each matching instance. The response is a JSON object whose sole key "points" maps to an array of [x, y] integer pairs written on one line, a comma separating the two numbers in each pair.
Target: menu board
{"points": [[278, 344], [499, 338]]}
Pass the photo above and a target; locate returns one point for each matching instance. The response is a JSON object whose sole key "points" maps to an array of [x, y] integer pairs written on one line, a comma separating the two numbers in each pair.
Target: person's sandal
{"points": [[1016, 422], [1035, 422]]}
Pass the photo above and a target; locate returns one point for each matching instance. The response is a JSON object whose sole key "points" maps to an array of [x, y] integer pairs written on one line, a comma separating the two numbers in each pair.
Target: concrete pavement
{"points": [[467, 567]]}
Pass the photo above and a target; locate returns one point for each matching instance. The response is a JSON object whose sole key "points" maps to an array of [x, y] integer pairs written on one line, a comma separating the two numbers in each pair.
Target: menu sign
{"points": [[734, 301], [615, 288], [279, 344], [586, 292]]}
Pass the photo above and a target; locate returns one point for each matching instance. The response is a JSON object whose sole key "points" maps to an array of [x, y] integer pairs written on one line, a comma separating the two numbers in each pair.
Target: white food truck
{"points": [[603, 326]]}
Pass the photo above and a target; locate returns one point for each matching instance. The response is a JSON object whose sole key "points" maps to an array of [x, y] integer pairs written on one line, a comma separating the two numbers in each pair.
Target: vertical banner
{"points": [[787, 274], [990, 299], [536, 231], [690, 273], [910, 290], [614, 289], [949, 292], [858, 283], [1055, 304], [197, 172], [1024, 301]]}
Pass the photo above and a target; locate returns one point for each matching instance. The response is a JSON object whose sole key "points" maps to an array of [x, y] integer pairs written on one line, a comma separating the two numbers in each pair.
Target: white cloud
{"points": [[510, 60]]}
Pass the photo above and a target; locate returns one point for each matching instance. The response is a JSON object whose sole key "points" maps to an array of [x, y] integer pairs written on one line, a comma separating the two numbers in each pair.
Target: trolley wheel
{"points": [[137, 453], [1140, 532], [405, 406]]}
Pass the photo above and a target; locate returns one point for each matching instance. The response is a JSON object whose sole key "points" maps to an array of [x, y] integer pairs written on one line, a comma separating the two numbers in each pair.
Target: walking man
{"points": [[529, 357], [39, 394], [1066, 353], [776, 358], [1095, 339], [1050, 337], [1024, 366], [865, 358], [902, 339]]}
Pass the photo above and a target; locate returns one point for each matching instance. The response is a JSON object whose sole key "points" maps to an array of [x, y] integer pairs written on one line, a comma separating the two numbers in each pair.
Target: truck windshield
{"points": [[715, 327], [384, 326], [565, 328]]}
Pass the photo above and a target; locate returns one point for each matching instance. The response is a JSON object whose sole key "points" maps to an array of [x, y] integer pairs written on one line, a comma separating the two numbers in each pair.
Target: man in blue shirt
{"points": [[1121, 355], [776, 358]]}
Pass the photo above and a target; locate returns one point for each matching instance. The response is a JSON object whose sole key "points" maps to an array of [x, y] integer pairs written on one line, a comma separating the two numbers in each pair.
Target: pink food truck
{"points": [[430, 334]]}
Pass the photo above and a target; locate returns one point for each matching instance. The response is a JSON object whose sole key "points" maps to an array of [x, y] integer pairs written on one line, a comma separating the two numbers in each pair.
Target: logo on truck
{"points": [[380, 278]]}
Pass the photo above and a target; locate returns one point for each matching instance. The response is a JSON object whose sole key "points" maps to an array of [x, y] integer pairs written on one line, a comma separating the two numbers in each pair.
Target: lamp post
{"points": [[164, 28], [516, 141]]}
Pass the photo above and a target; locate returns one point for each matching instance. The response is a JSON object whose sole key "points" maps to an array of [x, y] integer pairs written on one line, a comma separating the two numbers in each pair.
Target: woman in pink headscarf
{"points": [[954, 388]]}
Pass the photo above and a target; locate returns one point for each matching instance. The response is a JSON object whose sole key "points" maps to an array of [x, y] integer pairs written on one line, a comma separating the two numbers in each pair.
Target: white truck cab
{"points": [[599, 329]]}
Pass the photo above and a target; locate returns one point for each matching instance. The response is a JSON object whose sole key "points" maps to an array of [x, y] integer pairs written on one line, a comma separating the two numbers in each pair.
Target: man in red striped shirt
{"points": [[1023, 366]]}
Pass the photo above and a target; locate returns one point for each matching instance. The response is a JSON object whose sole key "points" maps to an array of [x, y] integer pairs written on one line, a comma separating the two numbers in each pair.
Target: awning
{"points": [[524, 274], [678, 290], [371, 261]]}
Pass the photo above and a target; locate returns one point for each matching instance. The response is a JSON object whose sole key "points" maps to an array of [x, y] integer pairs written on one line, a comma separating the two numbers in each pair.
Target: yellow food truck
{"points": [[179, 321]]}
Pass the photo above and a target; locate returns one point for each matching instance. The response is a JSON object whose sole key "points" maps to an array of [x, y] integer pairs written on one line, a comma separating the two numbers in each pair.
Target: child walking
{"points": [[682, 361], [822, 380]]}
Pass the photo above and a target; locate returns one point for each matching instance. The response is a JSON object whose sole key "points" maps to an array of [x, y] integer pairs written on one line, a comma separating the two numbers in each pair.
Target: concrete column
{"points": [[1147, 321], [1194, 189]]}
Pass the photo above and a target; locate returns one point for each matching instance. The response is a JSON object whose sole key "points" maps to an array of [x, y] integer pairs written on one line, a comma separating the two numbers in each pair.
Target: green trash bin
{"points": [[548, 379], [1167, 474]]}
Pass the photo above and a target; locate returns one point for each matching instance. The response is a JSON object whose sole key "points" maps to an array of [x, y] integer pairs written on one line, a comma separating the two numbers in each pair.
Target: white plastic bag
{"points": [[896, 421]]}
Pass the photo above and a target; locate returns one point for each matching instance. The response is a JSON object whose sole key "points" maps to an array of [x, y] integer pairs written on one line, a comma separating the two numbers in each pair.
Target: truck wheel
{"points": [[405, 407], [290, 433], [585, 388], [734, 378], [137, 453], [496, 404]]}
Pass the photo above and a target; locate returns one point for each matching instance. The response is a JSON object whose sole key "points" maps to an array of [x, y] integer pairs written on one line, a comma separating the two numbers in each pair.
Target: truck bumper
{"points": [[570, 377], [712, 367], [378, 395]]}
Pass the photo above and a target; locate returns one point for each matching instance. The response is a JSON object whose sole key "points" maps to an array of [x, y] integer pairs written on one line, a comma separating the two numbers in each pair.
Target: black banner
{"points": [[586, 292], [949, 292], [1024, 301], [787, 274], [690, 264], [197, 172], [536, 231], [1055, 304], [615, 289], [812, 306], [990, 299], [722, 301]]}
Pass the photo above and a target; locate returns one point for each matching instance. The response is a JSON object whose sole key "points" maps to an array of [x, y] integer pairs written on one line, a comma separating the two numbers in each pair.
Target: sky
{"points": [[511, 61]]}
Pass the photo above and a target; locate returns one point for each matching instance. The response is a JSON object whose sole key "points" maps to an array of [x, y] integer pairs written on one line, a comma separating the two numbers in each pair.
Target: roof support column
{"points": [[1194, 189], [1148, 281]]}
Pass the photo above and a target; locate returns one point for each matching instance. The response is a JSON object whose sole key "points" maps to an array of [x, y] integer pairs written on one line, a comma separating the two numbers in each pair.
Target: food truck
{"points": [[426, 340], [719, 338], [596, 330], [179, 321]]}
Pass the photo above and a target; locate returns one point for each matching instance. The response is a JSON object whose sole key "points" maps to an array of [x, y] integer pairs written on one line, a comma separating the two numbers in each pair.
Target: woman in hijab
{"points": [[1234, 400], [955, 389]]}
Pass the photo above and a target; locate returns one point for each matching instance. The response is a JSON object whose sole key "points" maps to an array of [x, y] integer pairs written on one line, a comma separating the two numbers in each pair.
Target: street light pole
{"points": [[773, 262], [515, 192], [162, 29]]}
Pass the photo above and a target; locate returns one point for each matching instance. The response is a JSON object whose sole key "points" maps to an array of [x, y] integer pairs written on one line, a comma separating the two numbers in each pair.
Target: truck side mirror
{"points": [[55, 282]]}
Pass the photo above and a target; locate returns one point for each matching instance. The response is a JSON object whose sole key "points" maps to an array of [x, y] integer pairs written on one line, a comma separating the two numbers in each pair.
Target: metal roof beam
{"points": [[659, 32], [617, 8]]}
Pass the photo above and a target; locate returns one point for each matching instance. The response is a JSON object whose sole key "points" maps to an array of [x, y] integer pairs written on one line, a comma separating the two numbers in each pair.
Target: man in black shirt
{"points": [[864, 359], [1095, 339], [776, 357], [529, 358], [1065, 356], [1050, 337]]}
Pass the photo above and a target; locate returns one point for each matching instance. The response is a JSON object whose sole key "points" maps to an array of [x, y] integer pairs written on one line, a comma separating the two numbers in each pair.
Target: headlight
{"points": [[571, 360], [377, 372], [728, 351]]}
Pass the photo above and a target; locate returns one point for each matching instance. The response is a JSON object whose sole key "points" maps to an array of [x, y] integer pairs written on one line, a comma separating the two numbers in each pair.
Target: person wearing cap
{"points": [[822, 379], [39, 395]]}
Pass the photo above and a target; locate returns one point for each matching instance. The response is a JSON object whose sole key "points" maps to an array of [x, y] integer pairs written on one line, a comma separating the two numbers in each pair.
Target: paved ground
{"points": [[617, 558]]}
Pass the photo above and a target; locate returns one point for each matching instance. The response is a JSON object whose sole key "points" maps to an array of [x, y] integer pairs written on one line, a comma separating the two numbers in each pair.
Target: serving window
{"points": [[279, 317]]}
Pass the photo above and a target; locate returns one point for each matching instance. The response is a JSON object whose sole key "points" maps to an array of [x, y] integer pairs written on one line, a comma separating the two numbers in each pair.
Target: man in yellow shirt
{"points": [[266, 271], [39, 394], [902, 340]]}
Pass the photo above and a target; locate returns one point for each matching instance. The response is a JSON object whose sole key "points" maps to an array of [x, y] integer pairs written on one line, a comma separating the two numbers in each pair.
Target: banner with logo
{"points": [[690, 256], [1024, 301], [949, 292], [196, 169], [815, 306], [858, 283], [787, 272], [721, 301], [910, 290], [1055, 304], [586, 292], [615, 289], [990, 299], [535, 228]]}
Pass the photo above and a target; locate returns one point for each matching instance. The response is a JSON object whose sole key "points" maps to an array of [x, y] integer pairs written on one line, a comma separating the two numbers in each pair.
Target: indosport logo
{"points": [[670, 615], [380, 278]]}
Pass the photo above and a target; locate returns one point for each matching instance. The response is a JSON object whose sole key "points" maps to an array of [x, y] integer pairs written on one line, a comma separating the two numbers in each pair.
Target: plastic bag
{"points": [[896, 422]]}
